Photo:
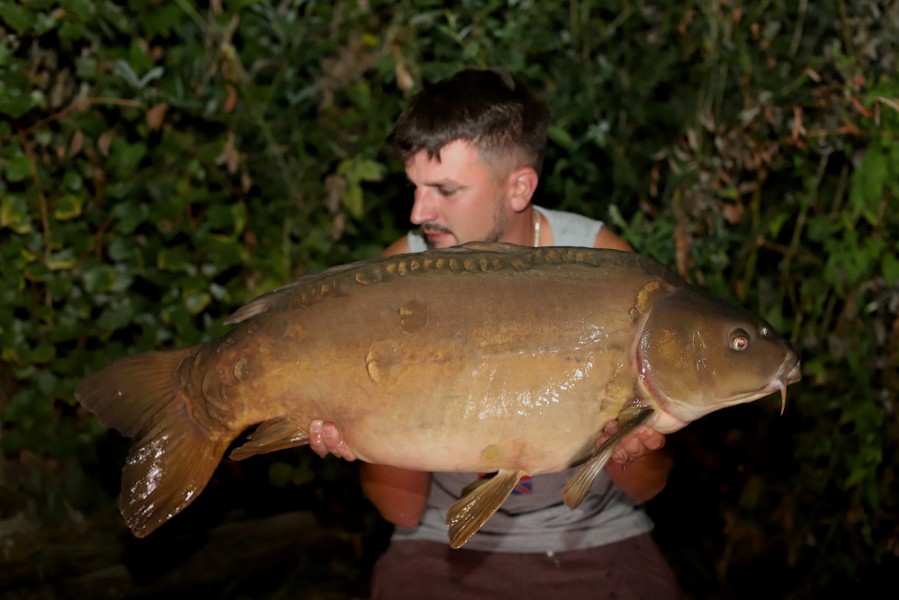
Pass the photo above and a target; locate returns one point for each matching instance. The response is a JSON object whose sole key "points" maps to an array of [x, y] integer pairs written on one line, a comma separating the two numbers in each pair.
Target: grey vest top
{"points": [[534, 517]]}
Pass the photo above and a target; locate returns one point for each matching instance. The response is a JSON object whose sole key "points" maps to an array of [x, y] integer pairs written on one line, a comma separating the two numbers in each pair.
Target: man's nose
{"points": [[423, 208]]}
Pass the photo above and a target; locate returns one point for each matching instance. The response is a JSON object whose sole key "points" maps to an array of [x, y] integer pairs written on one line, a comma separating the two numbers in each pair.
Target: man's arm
{"points": [[400, 495], [608, 239], [401, 246]]}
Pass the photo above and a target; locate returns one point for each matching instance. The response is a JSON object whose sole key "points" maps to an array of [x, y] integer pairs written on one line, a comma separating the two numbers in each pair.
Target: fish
{"points": [[482, 358]]}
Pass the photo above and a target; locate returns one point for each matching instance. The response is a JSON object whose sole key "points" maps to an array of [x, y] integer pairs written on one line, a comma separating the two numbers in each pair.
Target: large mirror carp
{"points": [[489, 358]]}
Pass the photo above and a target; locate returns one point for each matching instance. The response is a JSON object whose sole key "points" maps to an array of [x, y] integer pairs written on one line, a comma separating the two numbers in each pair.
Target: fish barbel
{"points": [[479, 358]]}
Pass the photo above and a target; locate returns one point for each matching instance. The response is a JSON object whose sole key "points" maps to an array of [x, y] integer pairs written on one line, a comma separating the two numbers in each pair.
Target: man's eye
{"points": [[446, 192]]}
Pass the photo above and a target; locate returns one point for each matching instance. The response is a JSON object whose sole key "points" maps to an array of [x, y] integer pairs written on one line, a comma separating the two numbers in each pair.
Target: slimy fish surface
{"points": [[479, 358]]}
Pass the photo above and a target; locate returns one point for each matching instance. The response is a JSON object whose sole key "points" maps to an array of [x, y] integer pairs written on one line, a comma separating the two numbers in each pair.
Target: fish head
{"points": [[698, 354]]}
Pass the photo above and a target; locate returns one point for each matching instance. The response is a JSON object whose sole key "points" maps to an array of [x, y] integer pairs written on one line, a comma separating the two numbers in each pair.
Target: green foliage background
{"points": [[161, 163]]}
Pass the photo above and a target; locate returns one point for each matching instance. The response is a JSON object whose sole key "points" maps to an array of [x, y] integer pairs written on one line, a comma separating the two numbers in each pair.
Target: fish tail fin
{"points": [[173, 456]]}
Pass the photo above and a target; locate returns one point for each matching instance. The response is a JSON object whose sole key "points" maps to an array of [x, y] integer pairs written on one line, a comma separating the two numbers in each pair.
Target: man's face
{"points": [[457, 199]]}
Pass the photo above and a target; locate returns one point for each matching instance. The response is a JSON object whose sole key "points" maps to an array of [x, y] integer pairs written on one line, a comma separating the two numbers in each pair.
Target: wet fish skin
{"points": [[486, 357]]}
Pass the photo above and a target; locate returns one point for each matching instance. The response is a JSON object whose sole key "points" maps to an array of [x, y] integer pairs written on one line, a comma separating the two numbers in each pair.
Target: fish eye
{"points": [[739, 340]]}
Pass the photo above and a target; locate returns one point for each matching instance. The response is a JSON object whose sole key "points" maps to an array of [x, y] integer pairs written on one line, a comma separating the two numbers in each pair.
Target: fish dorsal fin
{"points": [[471, 257], [491, 247], [579, 485], [266, 301], [259, 305], [275, 434], [482, 498]]}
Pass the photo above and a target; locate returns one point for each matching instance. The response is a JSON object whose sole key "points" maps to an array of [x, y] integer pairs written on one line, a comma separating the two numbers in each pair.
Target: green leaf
{"points": [[121, 249], [369, 170], [352, 200], [890, 268], [106, 278], [69, 207], [162, 19], [131, 215], [17, 16], [15, 100], [172, 259], [561, 137], [14, 214], [126, 156], [71, 30], [868, 183], [63, 260], [197, 303], [223, 252], [42, 353], [18, 168], [116, 316]]}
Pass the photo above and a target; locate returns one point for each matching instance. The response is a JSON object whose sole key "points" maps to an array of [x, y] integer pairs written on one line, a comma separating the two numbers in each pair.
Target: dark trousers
{"points": [[627, 570]]}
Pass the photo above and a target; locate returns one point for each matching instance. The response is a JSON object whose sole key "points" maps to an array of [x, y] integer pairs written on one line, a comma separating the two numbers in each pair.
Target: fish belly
{"points": [[449, 372]]}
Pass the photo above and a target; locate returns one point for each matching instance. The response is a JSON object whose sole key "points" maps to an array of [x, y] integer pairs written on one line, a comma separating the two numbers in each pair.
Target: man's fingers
{"points": [[334, 444], [637, 445], [315, 438], [650, 438], [331, 438]]}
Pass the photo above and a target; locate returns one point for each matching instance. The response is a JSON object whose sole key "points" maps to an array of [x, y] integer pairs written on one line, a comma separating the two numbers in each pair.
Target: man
{"points": [[473, 146]]}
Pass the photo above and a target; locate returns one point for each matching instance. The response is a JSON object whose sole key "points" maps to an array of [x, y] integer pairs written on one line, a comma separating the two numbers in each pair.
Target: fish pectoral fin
{"points": [[579, 485], [482, 498], [476, 484], [273, 435]]}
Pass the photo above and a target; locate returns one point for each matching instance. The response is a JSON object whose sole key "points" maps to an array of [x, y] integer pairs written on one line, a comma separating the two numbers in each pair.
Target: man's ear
{"points": [[522, 185]]}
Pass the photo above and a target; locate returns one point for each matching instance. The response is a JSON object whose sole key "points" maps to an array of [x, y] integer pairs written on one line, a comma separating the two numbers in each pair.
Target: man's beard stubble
{"points": [[500, 222]]}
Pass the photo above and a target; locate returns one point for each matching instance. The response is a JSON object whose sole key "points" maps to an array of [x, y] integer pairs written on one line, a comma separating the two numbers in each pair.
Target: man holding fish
{"points": [[473, 146], [485, 383]]}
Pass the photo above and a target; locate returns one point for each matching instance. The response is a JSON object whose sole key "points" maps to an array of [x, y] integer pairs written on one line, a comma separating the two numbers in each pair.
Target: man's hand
{"points": [[324, 439], [633, 447]]}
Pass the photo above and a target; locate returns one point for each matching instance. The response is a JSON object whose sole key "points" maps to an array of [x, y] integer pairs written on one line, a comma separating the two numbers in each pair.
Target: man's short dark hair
{"points": [[488, 108]]}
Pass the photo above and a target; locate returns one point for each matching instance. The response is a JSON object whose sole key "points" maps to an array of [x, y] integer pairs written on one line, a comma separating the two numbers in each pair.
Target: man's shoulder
{"points": [[571, 229], [400, 246]]}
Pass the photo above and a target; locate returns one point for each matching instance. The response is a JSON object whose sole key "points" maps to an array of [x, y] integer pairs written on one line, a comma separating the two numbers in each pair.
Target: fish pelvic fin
{"points": [[480, 500], [272, 435], [579, 485], [173, 456]]}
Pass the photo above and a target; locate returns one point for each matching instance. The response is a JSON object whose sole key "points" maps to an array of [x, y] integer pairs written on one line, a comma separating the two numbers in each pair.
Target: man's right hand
{"points": [[324, 439], [399, 495]]}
